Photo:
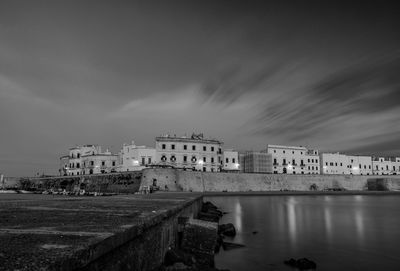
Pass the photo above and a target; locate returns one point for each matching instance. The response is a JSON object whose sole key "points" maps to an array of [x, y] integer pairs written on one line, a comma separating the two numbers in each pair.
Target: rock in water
{"points": [[227, 229], [302, 264]]}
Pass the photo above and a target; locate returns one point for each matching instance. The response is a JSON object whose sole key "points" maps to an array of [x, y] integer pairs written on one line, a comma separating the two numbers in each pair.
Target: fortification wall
{"points": [[177, 180], [126, 182]]}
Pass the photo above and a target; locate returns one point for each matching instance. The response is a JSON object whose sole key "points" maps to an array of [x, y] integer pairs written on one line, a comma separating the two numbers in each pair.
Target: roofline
{"points": [[186, 139]]}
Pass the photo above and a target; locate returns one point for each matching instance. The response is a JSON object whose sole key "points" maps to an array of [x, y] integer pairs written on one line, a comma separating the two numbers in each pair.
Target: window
{"points": [[293, 162], [316, 160], [194, 147], [212, 148], [226, 160], [301, 153], [113, 163], [341, 164], [173, 158], [103, 163], [284, 161], [212, 159], [204, 148], [326, 163], [365, 167], [184, 158], [308, 167], [312, 160], [185, 147], [204, 159], [173, 147], [163, 146], [204, 168], [283, 151], [308, 160], [274, 151], [387, 167], [92, 164], [163, 158], [194, 159], [292, 152], [212, 169], [143, 161], [335, 164], [149, 160], [78, 155], [78, 165], [77, 173], [275, 161], [233, 160], [316, 168]]}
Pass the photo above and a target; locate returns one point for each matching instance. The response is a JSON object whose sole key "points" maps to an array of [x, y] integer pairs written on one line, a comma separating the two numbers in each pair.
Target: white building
{"points": [[134, 158], [100, 163], [294, 160], [231, 160], [195, 152], [74, 166], [386, 165], [360, 165], [336, 163]]}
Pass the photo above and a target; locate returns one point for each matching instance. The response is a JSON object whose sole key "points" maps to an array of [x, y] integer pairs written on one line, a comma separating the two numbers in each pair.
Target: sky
{"points": [[321, 74]]}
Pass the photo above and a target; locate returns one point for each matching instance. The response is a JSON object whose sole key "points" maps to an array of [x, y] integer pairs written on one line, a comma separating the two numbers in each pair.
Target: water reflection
{"points": [[291, 217], [338, 232]]}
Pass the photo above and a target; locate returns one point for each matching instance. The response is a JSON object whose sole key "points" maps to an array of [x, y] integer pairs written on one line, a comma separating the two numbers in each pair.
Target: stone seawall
{"points": [[177, 180], [126, 182]]}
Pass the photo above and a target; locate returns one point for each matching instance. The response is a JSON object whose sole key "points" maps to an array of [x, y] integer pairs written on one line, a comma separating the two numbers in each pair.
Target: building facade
{"points": [[75, 155], [294, 160], [194, 152], [135, 158], [256, 162], [386, 165], [100, 163], [336, 163], [231, 161]]}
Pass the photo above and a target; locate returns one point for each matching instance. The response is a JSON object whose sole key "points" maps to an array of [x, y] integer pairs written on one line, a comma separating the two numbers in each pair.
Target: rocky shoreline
{"points": [[201, 239]]}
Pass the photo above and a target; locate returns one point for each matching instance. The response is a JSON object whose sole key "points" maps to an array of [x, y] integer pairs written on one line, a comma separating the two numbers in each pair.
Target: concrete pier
{"points": [[131, 232]]}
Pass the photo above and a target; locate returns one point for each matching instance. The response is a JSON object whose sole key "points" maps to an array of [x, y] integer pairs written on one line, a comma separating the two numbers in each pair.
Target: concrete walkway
{"points": [[45, 232]]}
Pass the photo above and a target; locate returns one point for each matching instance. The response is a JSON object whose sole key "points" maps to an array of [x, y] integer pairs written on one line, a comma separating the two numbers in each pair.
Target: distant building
{"points": [[256, 162], [336, 163], [75, 164], [386, 165], [294, 160], [100, 163], [194, 152], [87, 159], [231, 161], [134, 158]]}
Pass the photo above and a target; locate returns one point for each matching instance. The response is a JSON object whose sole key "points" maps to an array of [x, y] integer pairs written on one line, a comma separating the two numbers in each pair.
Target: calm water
{"points": [[337, 232]]}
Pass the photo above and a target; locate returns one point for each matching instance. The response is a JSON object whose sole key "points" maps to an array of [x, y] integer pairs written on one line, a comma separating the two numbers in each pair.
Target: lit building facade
{"points": [[386, 165], [135, 158], [336, 163], [256, 162], [294, 160], [231, 161], [195, 152]]}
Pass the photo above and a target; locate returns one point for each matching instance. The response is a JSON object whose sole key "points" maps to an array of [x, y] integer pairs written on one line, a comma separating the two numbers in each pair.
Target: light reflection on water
{"points": [[338, 232]]}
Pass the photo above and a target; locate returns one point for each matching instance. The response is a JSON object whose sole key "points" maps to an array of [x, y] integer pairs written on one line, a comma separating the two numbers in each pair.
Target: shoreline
{"points": [[300, 193]]}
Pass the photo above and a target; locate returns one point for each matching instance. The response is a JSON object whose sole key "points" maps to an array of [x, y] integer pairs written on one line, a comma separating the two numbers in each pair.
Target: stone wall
{"points": [[126, 182], [177, 180]]}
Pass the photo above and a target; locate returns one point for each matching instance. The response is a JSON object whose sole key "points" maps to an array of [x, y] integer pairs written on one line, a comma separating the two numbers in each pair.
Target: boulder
{"points": [[301, 264]]}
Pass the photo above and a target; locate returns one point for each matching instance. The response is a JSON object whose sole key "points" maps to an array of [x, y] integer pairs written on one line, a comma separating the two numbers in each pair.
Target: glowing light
{"points": [[237, 165], [289, 166], [135, 162], [201, 162]]}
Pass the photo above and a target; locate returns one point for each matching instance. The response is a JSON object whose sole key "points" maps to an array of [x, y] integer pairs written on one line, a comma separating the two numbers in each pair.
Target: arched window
{"points": [[173, 158], [193, 159], [163, 158]]}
